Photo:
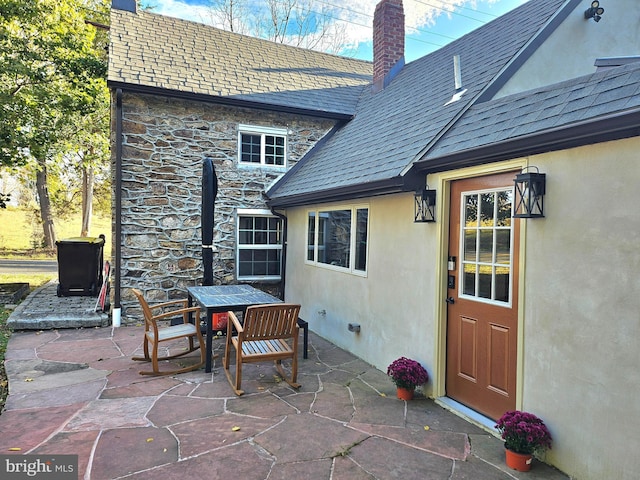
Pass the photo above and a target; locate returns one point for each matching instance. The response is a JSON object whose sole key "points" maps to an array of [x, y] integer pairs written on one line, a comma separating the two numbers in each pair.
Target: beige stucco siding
{"points": [[588, 40], [579, 301], [393, 304], [581, 315]]}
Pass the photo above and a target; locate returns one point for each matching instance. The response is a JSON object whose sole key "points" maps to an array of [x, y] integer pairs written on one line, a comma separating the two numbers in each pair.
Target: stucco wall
{"points": [[164, 143], [580, 278], [588, 40], [581, 320], [393, 304]]}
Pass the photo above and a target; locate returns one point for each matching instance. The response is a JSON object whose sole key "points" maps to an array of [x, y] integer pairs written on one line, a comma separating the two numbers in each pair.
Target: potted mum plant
{"points": [[407, 374], [524, 434]]}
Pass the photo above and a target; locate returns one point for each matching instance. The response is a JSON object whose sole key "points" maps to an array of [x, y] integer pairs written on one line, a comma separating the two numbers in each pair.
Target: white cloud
{"points": [[357, 15]]}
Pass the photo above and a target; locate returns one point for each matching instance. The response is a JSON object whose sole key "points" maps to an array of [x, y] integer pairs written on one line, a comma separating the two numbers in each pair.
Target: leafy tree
{"points": [[300, 23], [52, 73]]}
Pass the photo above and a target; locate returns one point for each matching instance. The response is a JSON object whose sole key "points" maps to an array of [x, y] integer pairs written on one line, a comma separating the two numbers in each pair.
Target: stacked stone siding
{"points": [[164, 143]]}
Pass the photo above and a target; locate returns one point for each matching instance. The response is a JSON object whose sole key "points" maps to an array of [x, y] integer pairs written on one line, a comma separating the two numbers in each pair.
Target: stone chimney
{"points": [[388, 42]]}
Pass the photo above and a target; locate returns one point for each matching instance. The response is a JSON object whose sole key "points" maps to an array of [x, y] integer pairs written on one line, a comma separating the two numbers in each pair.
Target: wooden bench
{"points": [[268, 332]]}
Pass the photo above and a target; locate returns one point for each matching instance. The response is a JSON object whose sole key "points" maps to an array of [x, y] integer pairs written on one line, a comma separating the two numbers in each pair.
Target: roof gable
{"points": [[580, 111], [159, 52], [392, 127]]}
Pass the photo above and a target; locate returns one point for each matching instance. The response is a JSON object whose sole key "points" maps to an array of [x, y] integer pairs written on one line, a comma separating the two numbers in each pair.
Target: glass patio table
{"points": [[224, 298]]}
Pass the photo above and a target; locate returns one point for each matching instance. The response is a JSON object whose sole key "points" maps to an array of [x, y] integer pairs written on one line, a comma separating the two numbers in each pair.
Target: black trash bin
{"points": [[80, 266]]}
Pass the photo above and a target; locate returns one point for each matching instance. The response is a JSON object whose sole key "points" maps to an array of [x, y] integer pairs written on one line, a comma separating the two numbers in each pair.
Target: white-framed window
{"points": [[262, 146], [259, 240], [337, 238]]}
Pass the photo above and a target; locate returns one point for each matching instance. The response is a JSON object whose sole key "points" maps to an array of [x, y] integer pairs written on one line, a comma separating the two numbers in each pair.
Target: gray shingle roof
{"points": [[392, 127], [150, 50], [545, 109]]}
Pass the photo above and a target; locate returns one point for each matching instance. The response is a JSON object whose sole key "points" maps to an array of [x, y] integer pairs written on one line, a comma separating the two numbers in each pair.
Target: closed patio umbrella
{"points": [[209, 193]]}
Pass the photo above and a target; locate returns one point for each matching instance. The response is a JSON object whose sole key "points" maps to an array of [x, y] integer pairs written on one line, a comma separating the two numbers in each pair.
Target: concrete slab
{"points": [[43, 310]]}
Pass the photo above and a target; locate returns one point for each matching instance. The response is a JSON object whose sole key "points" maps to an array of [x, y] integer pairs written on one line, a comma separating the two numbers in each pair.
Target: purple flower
{"points": [[523, 432], [407, 373]]}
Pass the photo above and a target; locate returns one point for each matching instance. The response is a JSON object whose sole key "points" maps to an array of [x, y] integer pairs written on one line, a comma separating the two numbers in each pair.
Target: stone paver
{"points": [[43, 310], [77, 391]]}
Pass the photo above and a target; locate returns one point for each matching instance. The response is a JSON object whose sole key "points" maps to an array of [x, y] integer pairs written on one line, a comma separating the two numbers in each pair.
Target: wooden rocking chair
{"points": [[154, 335], [263, 336]]}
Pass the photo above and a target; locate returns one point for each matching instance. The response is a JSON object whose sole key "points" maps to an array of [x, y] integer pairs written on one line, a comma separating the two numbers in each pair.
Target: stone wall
{"points": [[164, 143]]}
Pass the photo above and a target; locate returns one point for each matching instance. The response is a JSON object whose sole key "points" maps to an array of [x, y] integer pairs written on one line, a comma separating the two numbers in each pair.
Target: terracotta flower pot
{"points": [[518, 461], [404, 393]]}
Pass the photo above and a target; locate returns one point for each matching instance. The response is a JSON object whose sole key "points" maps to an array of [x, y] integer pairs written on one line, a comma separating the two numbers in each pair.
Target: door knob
{"points": [[450, 300]]}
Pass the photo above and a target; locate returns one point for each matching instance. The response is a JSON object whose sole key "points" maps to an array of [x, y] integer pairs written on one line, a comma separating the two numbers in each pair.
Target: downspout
{"points": [[283, 257], [118, 200]]}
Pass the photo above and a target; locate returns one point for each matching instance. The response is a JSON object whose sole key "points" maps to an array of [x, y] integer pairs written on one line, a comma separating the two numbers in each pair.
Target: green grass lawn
{"points": [[20, 231]]}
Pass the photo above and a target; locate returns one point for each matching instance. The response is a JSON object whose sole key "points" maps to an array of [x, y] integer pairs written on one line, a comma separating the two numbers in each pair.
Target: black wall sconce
{"points": [[595, 11], [529, 194], [425, 205]]}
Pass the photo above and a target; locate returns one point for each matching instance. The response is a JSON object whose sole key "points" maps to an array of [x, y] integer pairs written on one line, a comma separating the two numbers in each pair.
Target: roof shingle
{"points": [[392, 127], [563, 104], [150, 50]]}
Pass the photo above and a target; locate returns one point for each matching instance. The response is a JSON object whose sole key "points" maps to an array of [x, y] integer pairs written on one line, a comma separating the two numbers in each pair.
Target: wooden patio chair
{"points": [[268, 332], [154, 335]]}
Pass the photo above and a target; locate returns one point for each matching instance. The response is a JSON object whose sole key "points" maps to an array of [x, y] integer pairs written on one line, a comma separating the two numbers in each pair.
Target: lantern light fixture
{"points": [[425, 206], [529, 194], [595, 11]]}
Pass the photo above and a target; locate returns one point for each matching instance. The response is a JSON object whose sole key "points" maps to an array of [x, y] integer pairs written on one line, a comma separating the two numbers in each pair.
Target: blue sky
{"points": [[430, 24]]}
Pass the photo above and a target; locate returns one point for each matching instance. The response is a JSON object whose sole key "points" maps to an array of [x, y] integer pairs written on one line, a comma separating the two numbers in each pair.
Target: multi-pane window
{"points": [[262, 146], [486, 245], [259, 246], [338, 237]]}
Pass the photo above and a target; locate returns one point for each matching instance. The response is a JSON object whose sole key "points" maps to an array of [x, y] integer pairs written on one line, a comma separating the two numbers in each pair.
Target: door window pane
{"points": [[486, 245], [503, 246], [502, 283], [505, 200], [470, 245], [469, 279], [471, 211], [485, 278], [487, 202]]}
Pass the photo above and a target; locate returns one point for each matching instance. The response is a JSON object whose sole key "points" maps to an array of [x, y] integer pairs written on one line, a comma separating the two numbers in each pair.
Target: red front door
{"points": [[482, 320]]}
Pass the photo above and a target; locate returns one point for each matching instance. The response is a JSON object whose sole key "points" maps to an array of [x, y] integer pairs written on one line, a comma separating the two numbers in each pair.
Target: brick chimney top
{"points": [[388, 42]]}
